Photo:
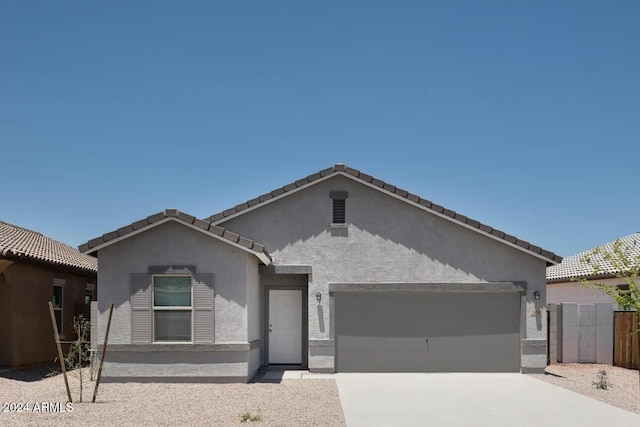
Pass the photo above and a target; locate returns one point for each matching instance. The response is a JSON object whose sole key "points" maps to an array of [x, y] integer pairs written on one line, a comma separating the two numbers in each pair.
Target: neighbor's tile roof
{"points": [[17, 242], [189, 219], [573, 266], [383, 186]]}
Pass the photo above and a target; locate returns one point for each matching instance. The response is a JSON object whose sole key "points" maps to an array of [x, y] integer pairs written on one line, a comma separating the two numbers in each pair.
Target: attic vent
{"points": [[339, 206]]}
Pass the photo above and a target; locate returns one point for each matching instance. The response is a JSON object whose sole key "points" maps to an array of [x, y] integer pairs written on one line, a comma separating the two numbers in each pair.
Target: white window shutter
{"points": [[141, 305], [203, 301]]}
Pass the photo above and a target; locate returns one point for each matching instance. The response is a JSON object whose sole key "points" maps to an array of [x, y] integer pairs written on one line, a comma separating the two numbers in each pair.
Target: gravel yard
{"points": [[623, 393], [308, 402]]}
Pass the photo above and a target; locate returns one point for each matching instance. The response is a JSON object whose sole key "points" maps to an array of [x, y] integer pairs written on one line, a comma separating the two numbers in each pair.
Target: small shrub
{"points": [[602, 381], [248, 416], [77, 357]]}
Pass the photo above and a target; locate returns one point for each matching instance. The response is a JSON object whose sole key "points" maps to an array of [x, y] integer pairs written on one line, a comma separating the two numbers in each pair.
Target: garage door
{"points": [[427, 332]]}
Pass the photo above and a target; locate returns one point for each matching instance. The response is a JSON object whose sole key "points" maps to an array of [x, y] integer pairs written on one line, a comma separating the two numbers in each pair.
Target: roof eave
{"points": [[578, 278], [551, 259], [21, 257], [88, 249]]}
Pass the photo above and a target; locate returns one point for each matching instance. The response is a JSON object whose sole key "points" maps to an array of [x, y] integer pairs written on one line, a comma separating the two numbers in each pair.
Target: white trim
{"points": [[262, 257], [389, 193]]}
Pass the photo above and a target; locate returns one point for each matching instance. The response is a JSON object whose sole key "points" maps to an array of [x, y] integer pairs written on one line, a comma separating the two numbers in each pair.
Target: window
{"points": [[89, 293], [339, 206], [88, 296], [56, 301], [172, 308]]}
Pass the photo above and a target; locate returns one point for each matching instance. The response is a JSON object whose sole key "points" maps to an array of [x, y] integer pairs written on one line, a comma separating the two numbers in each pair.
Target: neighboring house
{"points": [[563, 280], [34, 270], [337, 271], [581, 319]]}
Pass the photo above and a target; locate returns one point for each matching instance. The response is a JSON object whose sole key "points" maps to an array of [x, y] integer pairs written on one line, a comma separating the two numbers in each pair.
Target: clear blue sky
{"points": [[524, 115]]}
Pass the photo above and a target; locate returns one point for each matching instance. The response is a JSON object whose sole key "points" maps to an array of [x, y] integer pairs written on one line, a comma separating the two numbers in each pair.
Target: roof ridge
{"points": [[24, 228], [340, 168]]}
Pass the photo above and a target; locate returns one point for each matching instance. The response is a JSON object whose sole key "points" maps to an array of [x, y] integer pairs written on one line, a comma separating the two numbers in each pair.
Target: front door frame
{"points": [[304, 348]]}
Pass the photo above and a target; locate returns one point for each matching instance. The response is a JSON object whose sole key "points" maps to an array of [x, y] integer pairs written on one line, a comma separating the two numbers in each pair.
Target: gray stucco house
{"points": [[338, 271]]}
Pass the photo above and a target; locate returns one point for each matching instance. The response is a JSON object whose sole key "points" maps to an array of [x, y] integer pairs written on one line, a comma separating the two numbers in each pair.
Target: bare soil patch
{"points": [[311, 402], [579, 377]]}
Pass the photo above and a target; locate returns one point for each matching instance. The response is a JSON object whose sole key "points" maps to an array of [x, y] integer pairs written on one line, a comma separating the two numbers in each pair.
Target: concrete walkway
{"points": [[470, 400]]}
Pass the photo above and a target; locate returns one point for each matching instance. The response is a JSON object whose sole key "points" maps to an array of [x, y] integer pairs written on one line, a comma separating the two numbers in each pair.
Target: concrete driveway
{"points": [[469, 400]]}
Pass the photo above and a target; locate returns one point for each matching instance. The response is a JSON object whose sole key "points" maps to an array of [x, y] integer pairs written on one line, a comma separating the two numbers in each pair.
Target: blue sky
{"points": [[524, 115]]}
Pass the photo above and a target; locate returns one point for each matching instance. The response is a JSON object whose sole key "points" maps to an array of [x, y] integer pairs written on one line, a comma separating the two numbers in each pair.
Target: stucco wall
{"points": [[558, 293], [6, 320], [174, 244], [387, 240], [176, 365], [26, 290], [254, 300]]}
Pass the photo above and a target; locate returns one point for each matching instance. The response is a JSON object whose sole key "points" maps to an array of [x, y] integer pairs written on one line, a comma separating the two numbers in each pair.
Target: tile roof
{"points": [[341, 169], [573, 266], [18, 242], [174, 214]]}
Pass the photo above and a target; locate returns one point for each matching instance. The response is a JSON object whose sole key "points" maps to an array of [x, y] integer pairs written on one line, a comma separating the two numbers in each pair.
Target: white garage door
{"points": [[427, 332]]}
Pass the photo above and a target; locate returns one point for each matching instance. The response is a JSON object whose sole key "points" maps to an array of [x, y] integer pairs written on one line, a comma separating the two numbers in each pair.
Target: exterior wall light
{"points": [[536, 295], [318, 296]]}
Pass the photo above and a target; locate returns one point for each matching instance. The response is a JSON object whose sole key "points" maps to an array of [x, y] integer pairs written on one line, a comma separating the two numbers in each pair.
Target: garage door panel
{"points": [[430, 332], [414, 301], [383, 344], [428, 324]]}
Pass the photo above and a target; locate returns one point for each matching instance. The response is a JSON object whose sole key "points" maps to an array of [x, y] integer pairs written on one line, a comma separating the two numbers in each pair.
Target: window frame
{"points": [[155, 308], [57, 283], [89, 287]]}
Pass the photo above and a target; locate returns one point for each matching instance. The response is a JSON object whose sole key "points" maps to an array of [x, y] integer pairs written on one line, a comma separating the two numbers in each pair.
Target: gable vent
{"points": [[339, 206], [339, 211]]}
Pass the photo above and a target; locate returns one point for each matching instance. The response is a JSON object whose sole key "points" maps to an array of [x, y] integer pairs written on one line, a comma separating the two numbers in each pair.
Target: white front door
{"points": [[285, 326]]}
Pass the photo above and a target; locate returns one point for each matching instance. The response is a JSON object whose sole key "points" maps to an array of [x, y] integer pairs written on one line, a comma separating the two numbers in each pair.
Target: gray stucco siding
{"points": [[254, 301], [235, 281], [386, 241], [165, 365]]}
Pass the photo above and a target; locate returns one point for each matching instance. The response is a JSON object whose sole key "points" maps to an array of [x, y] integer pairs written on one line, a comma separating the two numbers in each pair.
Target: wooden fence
{"points": [[625, 341]]}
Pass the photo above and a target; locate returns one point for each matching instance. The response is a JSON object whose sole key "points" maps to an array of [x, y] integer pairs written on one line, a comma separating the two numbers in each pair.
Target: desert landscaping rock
{"points": [[285, 403], [623, 393]]}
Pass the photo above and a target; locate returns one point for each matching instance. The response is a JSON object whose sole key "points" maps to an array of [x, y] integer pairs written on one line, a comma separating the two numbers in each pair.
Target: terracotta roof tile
{"points": [[20, 242], [574, 267], [411, 198]]}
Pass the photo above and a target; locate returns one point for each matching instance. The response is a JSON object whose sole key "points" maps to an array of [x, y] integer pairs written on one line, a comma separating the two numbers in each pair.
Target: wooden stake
{"points": [[104, 350], [56, 336]]}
